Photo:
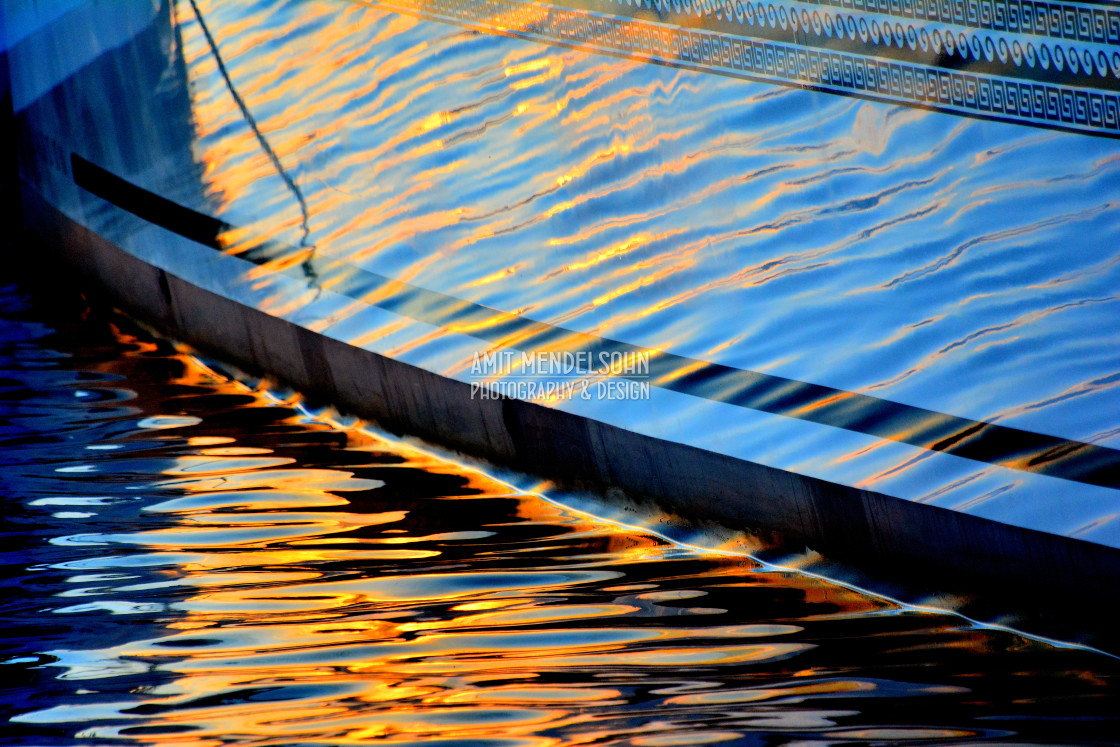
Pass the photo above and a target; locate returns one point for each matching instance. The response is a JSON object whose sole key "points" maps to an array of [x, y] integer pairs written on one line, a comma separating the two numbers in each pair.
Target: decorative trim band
{"points": [[979, 79], [1096, 22], [1089, 63], [929, 42]]}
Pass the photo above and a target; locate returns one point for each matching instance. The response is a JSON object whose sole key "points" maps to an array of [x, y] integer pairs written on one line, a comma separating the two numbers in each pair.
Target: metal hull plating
{"points": [[760, 267]]}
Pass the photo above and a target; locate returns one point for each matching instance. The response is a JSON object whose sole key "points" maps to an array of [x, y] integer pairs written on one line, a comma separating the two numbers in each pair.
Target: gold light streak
{"points": [[639, 283], [708, 355], [487, 321], [494, 277], [616, 251], [597, 104], [379, 333]]}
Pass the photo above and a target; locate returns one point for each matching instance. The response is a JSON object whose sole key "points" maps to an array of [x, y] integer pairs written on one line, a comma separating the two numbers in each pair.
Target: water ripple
{"points": [[258, 575], [846, 243]]}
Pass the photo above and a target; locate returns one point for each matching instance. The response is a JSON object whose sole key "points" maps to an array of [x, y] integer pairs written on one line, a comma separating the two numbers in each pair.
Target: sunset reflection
{"points": [[300, 580], [831, 288]]}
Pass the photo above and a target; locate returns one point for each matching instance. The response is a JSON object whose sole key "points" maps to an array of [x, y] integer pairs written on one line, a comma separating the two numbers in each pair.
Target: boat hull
{"points": [[876, 325]]}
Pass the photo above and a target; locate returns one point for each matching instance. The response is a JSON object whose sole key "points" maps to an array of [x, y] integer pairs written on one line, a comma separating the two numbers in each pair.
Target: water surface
{"points": [[194, 560]]}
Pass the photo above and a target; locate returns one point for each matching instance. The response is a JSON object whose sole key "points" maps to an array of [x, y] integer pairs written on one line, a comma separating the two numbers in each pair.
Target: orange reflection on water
{"points": [[296, 581], [264, 612], [383, 594], [496, 276]]}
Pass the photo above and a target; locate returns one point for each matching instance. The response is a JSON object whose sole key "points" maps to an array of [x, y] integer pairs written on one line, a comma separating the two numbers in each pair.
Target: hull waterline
{"points": [[866, 302]]}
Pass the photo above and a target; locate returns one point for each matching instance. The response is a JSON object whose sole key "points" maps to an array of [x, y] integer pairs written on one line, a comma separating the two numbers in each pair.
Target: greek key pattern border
{"points": [[1042, 104], [1089, 64], [1059, 20]]}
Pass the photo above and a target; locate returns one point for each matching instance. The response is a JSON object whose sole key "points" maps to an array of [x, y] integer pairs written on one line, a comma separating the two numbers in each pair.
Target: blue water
{"points": [[190, 559]]}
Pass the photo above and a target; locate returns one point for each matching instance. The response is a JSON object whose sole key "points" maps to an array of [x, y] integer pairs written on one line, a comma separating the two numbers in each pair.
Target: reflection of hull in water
{"points": [[860, 319]]}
